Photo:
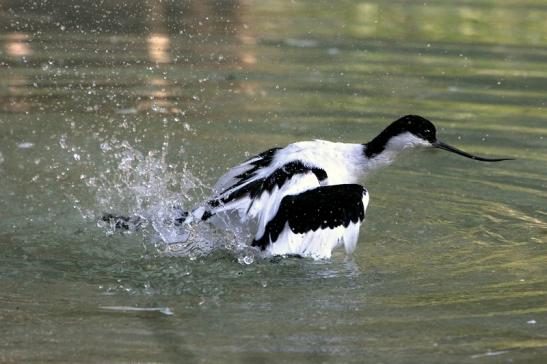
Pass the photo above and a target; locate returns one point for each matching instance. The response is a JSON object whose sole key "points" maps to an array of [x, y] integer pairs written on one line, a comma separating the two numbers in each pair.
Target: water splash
{"points": [[153, 192], [149, 187]]}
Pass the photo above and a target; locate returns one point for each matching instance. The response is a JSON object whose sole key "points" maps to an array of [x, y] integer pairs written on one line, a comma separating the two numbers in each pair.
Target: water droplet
{"points": [[25, 145], [62, 141], [105, 147], [248, 260]]}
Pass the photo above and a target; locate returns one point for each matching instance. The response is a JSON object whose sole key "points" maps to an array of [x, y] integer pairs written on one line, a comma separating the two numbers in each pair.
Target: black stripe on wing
{"points": [[267, 184], [319, 208], [263, 160]]}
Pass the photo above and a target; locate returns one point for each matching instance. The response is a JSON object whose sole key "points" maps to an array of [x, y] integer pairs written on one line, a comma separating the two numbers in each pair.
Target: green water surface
{"points": [[451, 264]]}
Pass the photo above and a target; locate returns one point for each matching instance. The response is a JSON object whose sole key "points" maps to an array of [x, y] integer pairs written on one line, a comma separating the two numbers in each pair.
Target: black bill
{"points": [[444, 146]]}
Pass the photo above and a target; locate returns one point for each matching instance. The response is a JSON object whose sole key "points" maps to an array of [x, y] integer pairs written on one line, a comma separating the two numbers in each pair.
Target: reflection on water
{"points": [[158, 40], [158, 48], [135, 107], [17, 46]]}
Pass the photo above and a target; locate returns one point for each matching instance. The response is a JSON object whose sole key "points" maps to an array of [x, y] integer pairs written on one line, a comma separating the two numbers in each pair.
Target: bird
{"points": [[305, 199]]}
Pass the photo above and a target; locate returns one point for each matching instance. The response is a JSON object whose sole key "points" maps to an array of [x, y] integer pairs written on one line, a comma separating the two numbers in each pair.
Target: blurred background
{"points": [[132, 106]]}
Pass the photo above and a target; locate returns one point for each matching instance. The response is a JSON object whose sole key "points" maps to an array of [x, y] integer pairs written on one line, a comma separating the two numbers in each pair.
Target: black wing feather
{"points": [[277, 178], [319, 208], [263, 160]]}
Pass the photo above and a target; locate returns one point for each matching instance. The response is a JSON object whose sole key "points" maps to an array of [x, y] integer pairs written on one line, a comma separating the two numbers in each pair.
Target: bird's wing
{"points": [[314, 222], [244, 172], [260, 195]]}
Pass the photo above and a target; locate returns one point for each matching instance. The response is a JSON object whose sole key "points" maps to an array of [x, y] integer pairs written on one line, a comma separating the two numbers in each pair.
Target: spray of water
{"points": [[153, 193]]}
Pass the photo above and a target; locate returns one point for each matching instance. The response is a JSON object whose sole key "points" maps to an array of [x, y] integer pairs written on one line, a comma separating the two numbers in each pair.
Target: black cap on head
{"points": [[413, 124]]}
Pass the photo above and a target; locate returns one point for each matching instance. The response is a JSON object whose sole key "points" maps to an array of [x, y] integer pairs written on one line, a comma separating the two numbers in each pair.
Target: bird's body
{"points": [[303, 199], [289, 187]]}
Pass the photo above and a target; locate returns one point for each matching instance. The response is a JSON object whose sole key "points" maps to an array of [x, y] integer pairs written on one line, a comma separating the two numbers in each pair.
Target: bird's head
{"points": [[412, 131]]}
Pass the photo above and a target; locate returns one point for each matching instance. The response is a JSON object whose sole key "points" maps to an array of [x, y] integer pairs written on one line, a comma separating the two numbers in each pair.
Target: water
{"points": [[105, 111]]}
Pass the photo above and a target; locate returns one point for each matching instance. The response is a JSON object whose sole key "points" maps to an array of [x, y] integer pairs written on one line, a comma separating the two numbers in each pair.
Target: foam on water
{"points": [[164, 310]]}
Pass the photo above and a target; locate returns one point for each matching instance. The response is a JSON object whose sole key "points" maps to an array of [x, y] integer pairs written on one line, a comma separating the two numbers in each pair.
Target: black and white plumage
{"points": [[316, 221], [303, 199], [257, 193]]}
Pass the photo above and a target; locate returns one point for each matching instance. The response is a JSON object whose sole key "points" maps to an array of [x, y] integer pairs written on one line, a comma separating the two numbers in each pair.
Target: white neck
{"points": [[395, 146]]}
